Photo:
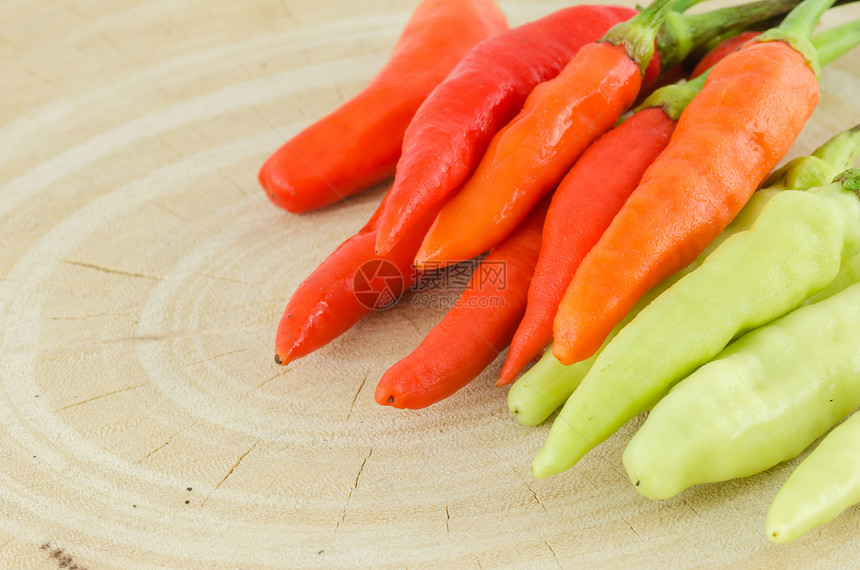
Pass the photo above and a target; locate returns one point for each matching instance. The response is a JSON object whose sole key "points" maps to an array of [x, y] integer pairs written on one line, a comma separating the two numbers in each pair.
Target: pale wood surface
{"points": [[143, 273]]}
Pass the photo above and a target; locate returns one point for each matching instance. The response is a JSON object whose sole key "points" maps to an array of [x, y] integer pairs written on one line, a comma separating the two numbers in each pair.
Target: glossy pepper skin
{"points": [[548, 385], [585, 203], [794, 249], [358, 144], [476, 329], [453, 127], [753, 106], [325, 305], [530, 155], [583, 206], [561, 117], [824, 484], [762, 401]]}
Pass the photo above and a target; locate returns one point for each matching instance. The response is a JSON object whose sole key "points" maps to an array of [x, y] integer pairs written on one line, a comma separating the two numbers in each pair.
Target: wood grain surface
{"points": [[143, 423]]}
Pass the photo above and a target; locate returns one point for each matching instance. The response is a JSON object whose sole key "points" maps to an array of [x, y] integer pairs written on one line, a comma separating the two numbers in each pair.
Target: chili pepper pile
{"points": [[638, 255]]}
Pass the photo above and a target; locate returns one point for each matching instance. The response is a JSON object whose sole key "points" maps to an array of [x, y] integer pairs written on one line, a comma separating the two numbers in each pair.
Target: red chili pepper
{"points": [[726, 47], [475, 330], [352, 282], [358, 145], [453, 127], [754, 104]]}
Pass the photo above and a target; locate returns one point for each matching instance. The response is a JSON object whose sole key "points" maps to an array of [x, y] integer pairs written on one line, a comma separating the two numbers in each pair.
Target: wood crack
{"points": [[554, 556], [536, 498], [111, 270], [129, 339], [631, 526], [355, 398], [586, 477], [230, 472], [169, 439], [93, 316], [354, 487], [691, 506], [223, 278], [88, 400], [264, 382], [238, 350]]}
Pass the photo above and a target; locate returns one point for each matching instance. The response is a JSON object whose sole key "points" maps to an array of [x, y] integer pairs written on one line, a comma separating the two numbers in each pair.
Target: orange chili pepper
{"points": [[754, 104], [358, 145]]}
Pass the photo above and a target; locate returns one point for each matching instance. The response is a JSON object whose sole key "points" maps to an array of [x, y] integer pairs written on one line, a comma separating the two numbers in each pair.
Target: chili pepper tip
{"points": [[508, 374], [383, 395], [384, 243]]}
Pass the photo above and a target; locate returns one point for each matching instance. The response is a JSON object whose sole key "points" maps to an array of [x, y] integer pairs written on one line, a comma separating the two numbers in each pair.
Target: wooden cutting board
{"points": [[143, 272]]}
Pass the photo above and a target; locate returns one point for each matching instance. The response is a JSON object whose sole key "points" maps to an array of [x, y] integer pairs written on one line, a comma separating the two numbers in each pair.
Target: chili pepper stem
{"points": [[796, 30], [682, 33], [684, 5], [801, 21], [638, 34], [842, 150], [834, 156], [674, 98], [850, 180], [833, 43]]}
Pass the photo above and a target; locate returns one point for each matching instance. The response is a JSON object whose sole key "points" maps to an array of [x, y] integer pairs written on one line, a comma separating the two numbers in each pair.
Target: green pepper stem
{"points": [[674, 98], [801, 21], [797, 28], [836, 42], [850, 180], [684, 5], [836, 155], [706, 46], [842, 150], [683, 34], [638, 34]]}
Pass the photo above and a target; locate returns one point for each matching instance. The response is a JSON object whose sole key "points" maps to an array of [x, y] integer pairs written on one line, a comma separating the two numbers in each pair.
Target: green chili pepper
{"points": [[548, 384], [849, 274], [793, 250], [762, 401], [824, 484]]}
